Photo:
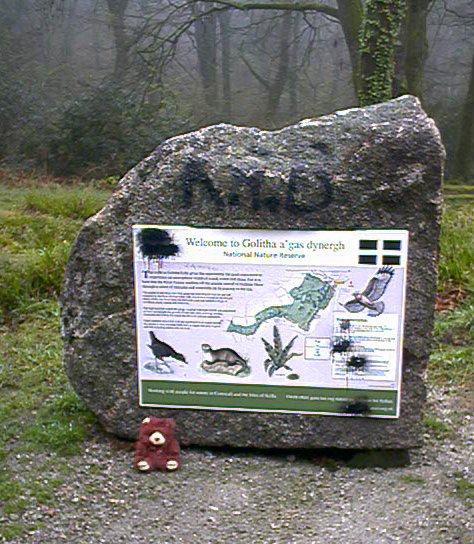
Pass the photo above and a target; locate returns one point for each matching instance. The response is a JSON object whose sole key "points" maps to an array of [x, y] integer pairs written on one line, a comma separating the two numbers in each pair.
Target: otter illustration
{"points": [[223, 361]]}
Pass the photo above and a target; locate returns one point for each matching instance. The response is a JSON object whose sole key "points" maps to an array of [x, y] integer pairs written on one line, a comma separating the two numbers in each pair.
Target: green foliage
{"points": [[107, 130], [460, 196], [38, 409], [456, 327], [278, 355], [37, 405], [377, 42]]}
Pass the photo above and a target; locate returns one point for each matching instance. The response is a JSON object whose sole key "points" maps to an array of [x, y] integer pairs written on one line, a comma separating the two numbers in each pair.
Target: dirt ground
{"points": [[248, 497]]}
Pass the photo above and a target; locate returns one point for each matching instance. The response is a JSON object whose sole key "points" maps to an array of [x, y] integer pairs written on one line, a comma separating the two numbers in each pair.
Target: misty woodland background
{"points": [[89, 87]]}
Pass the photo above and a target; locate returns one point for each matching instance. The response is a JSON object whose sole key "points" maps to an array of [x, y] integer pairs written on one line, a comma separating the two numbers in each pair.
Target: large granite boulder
{"points": [[377, 167]]}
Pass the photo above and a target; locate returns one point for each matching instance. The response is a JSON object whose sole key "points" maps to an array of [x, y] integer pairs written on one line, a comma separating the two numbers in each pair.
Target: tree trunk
{"points": [[350, 15], [275, 89], [117, 10], [68, 44], [378, 41], [205, 33], [293, 75], [224, 25], [417, 45], [463, 158]]}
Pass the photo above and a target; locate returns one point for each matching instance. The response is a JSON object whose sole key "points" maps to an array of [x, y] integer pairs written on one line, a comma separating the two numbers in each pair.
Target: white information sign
{"points": [[280, 321]]}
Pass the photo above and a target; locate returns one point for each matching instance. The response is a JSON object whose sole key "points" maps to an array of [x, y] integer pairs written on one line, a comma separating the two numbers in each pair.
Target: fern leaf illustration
{"points": [[270, 350], [293, 355], [277, 339], [284, 353]]}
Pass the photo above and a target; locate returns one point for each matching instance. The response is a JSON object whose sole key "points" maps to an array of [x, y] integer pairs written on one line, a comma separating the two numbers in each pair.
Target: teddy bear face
{"points": [[157, 439]]}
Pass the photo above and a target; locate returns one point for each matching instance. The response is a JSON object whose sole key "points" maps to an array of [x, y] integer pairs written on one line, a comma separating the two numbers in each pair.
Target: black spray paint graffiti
{"points": [[194, 175], [156, 245]]}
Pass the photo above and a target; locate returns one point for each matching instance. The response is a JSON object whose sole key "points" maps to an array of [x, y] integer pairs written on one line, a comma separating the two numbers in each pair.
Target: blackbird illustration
{"points": [[161, 350]]}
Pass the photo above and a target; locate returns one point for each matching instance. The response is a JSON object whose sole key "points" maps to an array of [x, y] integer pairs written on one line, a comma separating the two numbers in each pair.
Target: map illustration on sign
{"points": [[281, 321], [309, 298]]}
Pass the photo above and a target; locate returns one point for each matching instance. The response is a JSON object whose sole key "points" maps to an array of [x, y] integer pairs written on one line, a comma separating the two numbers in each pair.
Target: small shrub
{"points": [[108, 130]]}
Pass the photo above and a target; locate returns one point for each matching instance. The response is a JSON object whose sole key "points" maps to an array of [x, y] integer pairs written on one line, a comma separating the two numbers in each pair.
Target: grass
{"points": [[38, 228], [412, 479], [74, 203], [452, 363], [438, 428], [458, 192], [456, 263], [452, 187], [61, 424], [38, 408], [464, 488], [39, 411]]}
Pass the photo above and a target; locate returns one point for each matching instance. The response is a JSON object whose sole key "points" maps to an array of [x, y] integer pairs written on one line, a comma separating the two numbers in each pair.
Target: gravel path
{"points": [[254, 497]]}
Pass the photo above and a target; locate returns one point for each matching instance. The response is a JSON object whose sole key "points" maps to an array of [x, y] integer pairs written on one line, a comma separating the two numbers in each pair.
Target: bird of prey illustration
{"points": [[371, 294], [161, 350]]}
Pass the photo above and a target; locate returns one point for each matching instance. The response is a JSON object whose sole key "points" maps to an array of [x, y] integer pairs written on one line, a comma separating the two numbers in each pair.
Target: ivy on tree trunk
{"points": [[378, 40]]}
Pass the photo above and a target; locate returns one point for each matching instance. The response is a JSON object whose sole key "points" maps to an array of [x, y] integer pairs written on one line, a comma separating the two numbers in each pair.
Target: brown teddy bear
{"points": [[157, 447]]}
